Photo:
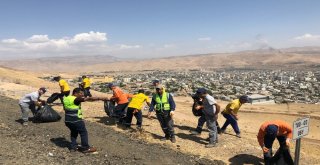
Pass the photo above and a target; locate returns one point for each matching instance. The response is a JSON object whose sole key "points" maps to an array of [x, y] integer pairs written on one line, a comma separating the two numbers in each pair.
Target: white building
{"points": [[260, 99]]}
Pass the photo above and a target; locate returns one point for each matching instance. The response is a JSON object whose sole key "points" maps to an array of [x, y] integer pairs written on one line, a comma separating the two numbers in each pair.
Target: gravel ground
{"points": [[47, 143]]}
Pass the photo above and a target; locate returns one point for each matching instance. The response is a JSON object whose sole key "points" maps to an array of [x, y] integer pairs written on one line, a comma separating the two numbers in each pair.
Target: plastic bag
{"points": [[109, 107], [46, 114], [282, 157], [196, 112]]}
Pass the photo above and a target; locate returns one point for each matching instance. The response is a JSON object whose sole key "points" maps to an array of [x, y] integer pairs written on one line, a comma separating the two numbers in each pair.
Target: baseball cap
{"points": [[271, 130], [141, 91], [44, 90], [155, 81], [110, 85], [201, 91], [56, 78], [244, 98]]}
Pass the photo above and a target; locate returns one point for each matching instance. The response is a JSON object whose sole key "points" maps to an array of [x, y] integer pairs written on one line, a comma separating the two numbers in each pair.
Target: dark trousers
{"points": [[231, 120], [268, 142], [130, 114], [212, 128], [78, 128], [120, 111], [62, 94], [87, 92], [166, 122], [201, 121]]}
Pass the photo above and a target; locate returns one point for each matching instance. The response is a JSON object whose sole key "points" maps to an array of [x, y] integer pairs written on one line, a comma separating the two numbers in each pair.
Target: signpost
{"points": [[300, 129]]}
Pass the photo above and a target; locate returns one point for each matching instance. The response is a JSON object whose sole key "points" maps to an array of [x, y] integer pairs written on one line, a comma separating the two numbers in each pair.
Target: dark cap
{"points": [[56, 78], [43, 89], [272, 130], [141, 91], [244, 99], [201, 91], [155, 81], [110, 85]]}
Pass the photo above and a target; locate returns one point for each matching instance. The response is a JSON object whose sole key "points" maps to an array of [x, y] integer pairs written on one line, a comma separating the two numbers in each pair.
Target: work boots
{"points": [[166, 137], [211, 145], [173, 139], [90, 150]]}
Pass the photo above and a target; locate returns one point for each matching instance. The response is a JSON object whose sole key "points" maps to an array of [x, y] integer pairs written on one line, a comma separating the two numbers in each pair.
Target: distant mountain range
{"points": [[267, 58]]}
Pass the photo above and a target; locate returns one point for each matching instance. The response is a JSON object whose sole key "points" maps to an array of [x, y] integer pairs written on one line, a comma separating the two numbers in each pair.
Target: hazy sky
{"points": [[154, 28]]}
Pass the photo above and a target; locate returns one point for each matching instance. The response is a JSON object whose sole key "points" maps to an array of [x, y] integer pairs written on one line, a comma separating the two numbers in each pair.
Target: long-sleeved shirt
{"points": [[170, 100], [120, 96], [284, 129]]}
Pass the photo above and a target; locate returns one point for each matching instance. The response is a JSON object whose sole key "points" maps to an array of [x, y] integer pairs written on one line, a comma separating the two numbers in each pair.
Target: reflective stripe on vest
{"points": [[73, 112], [162, 103]]}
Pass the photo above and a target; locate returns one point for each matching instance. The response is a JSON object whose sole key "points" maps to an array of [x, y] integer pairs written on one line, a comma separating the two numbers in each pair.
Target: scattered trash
{"points": [[50, 154]]}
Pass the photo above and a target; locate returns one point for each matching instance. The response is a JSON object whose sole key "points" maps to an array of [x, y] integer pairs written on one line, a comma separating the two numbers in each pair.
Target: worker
{"points": [[268, 132], [29, 102], [122, 101], [231, 114], [74, 119], [210, 110], [64, 87], [86, 86], [165, 107], [134, 108], [198, 101]]}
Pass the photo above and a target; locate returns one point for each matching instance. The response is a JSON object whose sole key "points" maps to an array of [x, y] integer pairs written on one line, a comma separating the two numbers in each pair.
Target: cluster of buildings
{"points": [[262, 86]]}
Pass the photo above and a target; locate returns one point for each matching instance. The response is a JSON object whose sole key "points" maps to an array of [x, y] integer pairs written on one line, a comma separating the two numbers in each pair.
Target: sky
{"points": [[154, 28]]}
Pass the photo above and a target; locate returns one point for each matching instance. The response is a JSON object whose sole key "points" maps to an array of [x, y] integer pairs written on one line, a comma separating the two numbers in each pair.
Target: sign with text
{"points": [[300, 128]]}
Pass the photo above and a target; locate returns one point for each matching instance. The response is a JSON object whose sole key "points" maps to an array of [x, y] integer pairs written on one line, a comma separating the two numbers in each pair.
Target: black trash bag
{"points": [[109, 107], [282, 157], [196, 112], [53, 98], [46, 114], [197, 102]]}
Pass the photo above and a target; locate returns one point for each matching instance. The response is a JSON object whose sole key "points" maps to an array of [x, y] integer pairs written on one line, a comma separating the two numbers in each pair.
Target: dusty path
{"points": [[47, 143]]}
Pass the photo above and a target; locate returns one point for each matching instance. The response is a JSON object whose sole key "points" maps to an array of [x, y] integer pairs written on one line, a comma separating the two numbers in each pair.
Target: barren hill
{"points": [[15, 84], [290, 58]]}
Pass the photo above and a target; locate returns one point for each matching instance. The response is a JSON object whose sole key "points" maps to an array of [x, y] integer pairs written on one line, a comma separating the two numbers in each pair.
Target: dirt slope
{"points": [[230, 149], [47, 143]]}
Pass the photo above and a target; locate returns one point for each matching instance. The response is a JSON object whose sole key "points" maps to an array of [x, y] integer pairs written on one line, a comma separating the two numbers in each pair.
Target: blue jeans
{"points": [[87, 92], [129, 116], [201, 121], [212, 128], [231, 120], [78, 128]]}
